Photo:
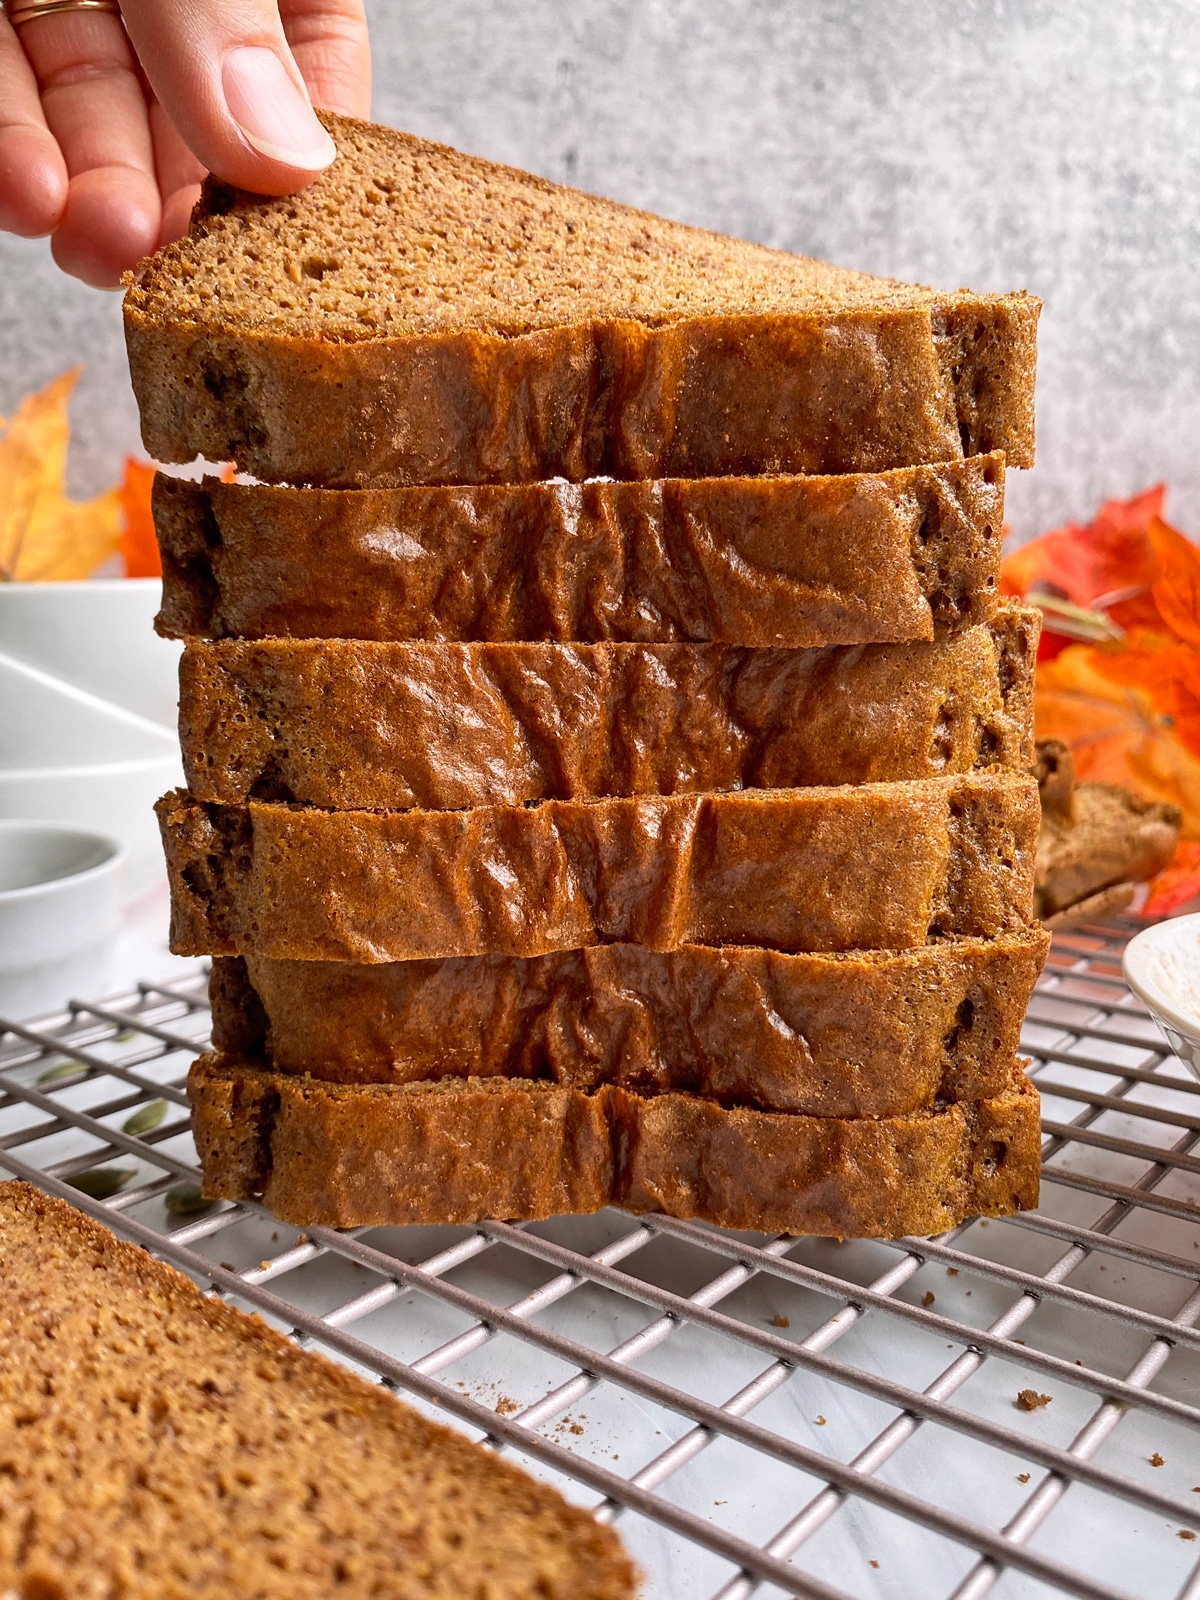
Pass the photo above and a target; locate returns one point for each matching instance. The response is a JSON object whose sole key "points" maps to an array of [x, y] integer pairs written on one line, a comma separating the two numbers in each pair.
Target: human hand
{"points": [[107, 130]]}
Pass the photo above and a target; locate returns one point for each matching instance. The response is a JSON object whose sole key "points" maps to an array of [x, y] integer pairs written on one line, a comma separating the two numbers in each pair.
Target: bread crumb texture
{"points": [[404, 237], [155, 1442]]}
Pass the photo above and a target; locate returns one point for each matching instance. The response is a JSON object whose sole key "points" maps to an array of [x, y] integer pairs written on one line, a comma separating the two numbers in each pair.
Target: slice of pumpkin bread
{"points": [[459, 1150], [156, 1443], [862, 558], [456, 725], [421, 316], [863, 1033], [873, 866]]}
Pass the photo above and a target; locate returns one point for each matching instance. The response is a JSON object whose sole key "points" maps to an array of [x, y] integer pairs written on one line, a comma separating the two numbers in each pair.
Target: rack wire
{"points": [[1010, 1409]]}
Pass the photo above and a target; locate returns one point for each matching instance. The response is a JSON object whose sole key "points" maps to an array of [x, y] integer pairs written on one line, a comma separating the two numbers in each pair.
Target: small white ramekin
{"points": [[1162, 967], [69, 756], [60, 912]]}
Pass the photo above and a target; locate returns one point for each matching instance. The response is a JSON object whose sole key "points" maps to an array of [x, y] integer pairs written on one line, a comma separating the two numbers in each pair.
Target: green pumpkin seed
{"points": [[64, 1069], [101, 1182], [145, 1118], [185, 1200]]}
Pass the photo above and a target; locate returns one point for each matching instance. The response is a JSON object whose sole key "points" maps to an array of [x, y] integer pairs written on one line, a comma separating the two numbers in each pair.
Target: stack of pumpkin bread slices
{"points": [[607, 754]]}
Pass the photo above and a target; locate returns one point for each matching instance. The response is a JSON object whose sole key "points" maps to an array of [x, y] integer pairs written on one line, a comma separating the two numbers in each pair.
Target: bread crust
{"points": [[885, 866], [457, 725], [460, 1151], [846, 392], [875, 1033], [860, 558]]}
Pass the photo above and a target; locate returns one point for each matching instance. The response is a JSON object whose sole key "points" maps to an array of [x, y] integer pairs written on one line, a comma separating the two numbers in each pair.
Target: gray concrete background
{"points": [[1047, 144]]}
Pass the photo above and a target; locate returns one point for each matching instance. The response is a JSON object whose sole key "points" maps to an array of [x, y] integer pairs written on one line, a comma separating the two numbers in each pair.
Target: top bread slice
{"points": [[157, 1443], [422, 316]]}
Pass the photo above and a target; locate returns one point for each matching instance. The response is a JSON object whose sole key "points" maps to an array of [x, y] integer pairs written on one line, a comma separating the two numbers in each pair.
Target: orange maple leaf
{"points": [[43, 534], [1107, 565], [1177, 585], [1166, 669], [138, 543]]}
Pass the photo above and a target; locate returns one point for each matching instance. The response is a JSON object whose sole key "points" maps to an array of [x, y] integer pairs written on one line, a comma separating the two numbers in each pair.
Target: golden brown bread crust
{"points": [[158, 1442], [456, 725], [874, 1033], [883, 866], [856, 559], [459, 1151], [853, 392], [269, 337]]}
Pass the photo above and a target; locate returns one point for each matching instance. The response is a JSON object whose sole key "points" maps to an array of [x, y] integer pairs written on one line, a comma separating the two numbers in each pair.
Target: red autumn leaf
{"points": [[1185, 706], [1176, 884], [1177, 589], [1107, 564], [138, 544], [1128, 706], [1087, 562]]}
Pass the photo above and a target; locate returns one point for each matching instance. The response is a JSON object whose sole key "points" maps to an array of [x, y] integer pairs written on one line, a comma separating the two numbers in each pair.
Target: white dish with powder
{"points": [[1162, 967]]}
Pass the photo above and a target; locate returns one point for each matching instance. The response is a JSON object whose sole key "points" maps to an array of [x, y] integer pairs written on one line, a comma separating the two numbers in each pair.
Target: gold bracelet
{"points": [[22, 11]]}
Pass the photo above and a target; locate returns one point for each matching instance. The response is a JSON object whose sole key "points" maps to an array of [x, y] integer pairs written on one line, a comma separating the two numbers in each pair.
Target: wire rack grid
{"points": [[1010, 1409]]}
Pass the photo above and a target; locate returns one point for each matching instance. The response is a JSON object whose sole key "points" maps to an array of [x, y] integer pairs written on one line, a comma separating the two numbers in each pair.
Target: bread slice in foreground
{"points": [[872, 1033], [460, 1150], [857, 559], [158, 1444], [876, 866], [421, 316], [458, 725]]}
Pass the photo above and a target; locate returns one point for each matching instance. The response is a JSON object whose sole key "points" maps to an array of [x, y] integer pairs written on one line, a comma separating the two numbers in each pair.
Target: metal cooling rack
{"points": [[763, 1416]]}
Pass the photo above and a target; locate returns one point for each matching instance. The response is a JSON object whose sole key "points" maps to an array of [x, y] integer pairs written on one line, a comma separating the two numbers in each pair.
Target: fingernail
{"points": [[273, 114]]}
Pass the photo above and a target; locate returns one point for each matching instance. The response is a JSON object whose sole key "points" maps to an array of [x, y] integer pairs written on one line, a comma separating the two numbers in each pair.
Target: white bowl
{"points": [[98, 635], [60, 911], [1162, 967], [69, 756]]}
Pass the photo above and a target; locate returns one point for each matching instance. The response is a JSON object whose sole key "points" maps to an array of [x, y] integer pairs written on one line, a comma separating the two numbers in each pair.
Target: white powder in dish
{"points": [[1175, 970]]}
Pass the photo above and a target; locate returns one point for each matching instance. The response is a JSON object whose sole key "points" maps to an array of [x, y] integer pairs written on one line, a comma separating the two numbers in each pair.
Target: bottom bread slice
{"points": [[156, 1443], [459, 1150]]}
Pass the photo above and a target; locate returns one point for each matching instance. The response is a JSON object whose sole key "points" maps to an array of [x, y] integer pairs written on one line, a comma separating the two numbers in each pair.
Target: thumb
{"points": [[225, 74]]}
